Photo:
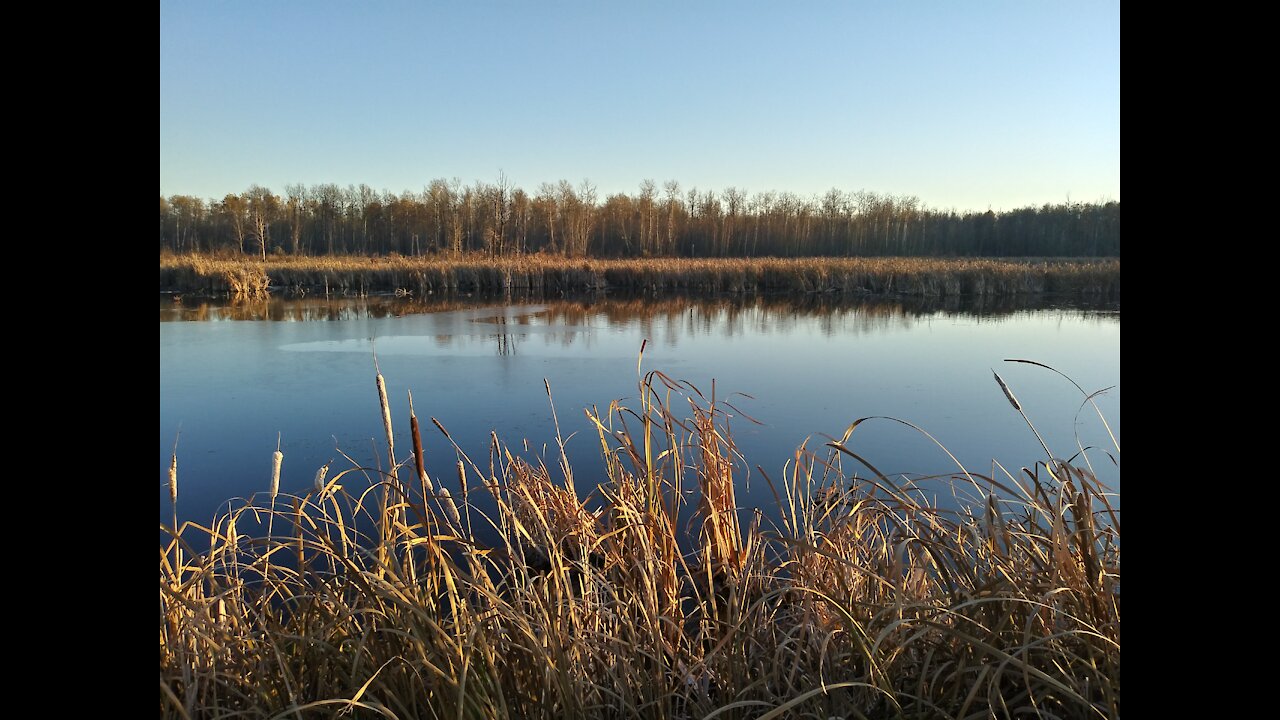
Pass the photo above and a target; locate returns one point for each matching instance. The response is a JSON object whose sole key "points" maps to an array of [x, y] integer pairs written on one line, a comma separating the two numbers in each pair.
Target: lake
{"points": [[234, 378]]}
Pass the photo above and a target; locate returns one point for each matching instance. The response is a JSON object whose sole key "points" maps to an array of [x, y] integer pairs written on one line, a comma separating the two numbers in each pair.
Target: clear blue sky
{"points": [[966, 105]]}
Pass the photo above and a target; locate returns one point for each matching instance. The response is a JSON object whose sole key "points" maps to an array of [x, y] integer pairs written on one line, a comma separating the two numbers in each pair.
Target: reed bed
{"points": [[653, 596], [929, 277]]}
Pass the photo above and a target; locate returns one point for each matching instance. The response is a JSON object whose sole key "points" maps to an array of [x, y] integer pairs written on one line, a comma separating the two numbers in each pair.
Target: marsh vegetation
{"points": [[555, 275], [650, 592]]}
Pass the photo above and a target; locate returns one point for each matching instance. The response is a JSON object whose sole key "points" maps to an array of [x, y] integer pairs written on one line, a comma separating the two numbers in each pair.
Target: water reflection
{"points": [[506, 341], [812, 364], [334, 308], [507, 321]]}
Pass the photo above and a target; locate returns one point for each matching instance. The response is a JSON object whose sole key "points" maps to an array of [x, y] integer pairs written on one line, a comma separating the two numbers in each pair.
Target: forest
{"points": [[499, 219]]}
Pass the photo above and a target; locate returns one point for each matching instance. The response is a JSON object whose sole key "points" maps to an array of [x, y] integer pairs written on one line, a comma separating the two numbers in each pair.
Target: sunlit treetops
{"points": [[499, 219]]}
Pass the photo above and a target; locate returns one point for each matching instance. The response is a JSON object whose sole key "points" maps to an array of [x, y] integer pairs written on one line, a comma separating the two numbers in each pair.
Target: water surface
{"points": [[233, 378]]}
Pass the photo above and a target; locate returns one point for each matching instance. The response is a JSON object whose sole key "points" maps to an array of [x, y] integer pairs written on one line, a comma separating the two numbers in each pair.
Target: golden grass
{"points": [[863, 601], [553, 274]]}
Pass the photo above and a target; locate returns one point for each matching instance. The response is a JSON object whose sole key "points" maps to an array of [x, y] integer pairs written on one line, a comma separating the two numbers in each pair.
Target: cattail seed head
{"points": [[173, 479], [446, 501], [1007, 392], [386, 410], [418, 459], [320, 476], [277, 457]]}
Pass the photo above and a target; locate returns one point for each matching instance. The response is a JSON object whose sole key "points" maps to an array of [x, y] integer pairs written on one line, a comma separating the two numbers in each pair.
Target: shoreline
{"points": [[424, 276]]}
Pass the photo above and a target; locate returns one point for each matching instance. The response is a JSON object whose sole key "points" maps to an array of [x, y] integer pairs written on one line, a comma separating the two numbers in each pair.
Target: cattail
{"points": [[441, 428], [449, 508], [173, 500], [320, 476], [173, 479], [462, 476], [1016, 406], [386, 417], [1007, 392], [418, 460], [277, 457]]}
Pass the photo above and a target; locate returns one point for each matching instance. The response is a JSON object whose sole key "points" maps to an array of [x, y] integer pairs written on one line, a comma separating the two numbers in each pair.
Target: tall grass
{"points": [[931, 277], [655, 596]]}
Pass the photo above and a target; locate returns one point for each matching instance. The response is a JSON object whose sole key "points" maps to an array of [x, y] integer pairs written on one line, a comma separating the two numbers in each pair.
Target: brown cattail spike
{"points": [[418, 460]]}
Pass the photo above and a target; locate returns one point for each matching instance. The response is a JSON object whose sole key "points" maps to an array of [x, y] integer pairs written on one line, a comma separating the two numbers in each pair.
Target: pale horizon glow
{"points": [[966, 106]]}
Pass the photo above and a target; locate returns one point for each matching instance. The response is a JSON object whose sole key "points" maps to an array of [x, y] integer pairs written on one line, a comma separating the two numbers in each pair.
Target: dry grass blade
{"points": [[782, 709]]}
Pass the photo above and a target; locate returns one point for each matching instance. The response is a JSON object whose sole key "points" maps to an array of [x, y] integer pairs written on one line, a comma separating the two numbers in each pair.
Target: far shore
{"points": [[432, 275]]}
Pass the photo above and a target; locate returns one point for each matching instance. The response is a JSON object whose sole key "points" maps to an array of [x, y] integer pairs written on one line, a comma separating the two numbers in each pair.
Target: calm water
{"points": [[233, 377]]}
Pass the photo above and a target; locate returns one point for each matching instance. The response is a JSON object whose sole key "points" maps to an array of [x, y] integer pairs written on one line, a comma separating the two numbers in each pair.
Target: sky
{"points": [[966, 106]]}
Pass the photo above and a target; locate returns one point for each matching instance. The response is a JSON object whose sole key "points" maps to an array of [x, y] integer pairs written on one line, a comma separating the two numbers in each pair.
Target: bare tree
{"points": [[235, 209], [647, 208], [295, 208], [673, 199], [264, 207]]}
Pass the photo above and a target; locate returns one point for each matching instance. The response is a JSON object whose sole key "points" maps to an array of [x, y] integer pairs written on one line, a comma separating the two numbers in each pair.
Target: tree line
{"points": [[499, 219]]}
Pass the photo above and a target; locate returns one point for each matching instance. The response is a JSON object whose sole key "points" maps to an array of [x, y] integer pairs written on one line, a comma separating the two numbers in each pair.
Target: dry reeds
{"points": [[548, 274], [863, 600]]}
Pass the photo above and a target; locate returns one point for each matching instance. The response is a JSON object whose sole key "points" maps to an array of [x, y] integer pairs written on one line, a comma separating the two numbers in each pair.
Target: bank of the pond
{"points": [[928, 277]]}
